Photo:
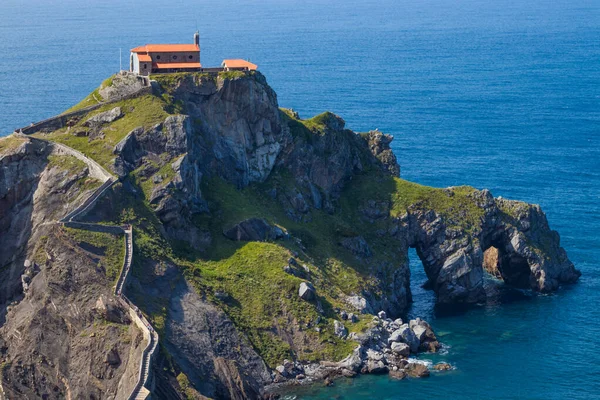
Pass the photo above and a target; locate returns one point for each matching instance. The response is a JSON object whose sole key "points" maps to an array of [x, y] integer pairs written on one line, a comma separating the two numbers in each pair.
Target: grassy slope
{"points": [[9, 143], [143, 111], [110, 247], [91, 99], [262, 299]]}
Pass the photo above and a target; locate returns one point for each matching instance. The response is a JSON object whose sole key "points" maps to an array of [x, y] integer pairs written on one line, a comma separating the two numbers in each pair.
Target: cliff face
{"points": [[256, 230], [61, 334]]}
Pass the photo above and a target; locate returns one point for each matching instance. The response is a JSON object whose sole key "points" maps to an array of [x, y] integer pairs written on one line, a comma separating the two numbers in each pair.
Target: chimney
{"points": [[197, 39]]}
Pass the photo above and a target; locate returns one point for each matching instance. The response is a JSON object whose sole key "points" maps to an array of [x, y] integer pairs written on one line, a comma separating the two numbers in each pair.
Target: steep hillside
{"points": [[62, 333], [266, 243]]}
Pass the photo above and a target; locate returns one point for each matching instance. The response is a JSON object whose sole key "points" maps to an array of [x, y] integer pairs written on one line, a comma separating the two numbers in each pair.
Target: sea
{"points": [[497, 94]]}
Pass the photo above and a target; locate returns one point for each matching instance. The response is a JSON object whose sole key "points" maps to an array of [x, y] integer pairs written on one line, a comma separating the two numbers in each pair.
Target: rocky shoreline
{"points": [[266, 242], [384, 347]]}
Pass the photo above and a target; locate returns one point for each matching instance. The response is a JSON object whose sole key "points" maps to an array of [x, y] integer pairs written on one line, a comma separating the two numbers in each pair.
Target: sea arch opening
{"points": [[502, 261]]}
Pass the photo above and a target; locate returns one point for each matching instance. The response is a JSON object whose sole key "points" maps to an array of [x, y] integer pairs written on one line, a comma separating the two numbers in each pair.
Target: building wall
{"points": [[135, 63], [181, 57], [145, 68]]}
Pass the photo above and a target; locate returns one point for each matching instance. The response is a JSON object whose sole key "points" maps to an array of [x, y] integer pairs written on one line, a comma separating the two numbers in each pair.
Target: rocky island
{"points": [[266, 249]]}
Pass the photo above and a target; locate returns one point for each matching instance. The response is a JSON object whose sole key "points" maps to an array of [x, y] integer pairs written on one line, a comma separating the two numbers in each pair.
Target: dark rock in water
{"points": [[398, 374], [405, 335], [253, 229], [417, 370], [442, 366], [453, 258], [376, 367]]}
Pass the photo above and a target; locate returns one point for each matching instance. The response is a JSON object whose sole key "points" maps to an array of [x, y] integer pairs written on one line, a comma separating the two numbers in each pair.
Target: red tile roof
{"points": [[144, 58], [176, 65], [238, 63], [165, 48]]}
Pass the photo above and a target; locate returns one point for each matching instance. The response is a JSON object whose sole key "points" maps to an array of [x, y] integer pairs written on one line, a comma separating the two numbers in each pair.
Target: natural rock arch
{"points": [[529, 252]]}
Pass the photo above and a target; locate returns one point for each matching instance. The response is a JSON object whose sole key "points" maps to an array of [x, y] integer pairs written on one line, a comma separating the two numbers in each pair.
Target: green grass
{"points": [[166, 172], [456, 205], [170, 81], [66, 163], [110, 247], [9, 143], [93, 98], [262, 295], [319, 122], [228, 75], [262, 300], [73, 166], [145, 111]]}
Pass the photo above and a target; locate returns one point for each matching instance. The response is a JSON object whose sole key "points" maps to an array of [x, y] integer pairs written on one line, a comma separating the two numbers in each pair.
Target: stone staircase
{"points": [[140, 391]]}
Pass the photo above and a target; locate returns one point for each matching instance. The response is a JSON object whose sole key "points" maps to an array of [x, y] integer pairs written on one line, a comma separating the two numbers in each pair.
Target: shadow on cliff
{"points": [[16, 214]]}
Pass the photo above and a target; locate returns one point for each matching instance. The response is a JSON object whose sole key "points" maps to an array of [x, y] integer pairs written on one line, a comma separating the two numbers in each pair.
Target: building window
{"points": [[158, 57], [174, 57], [145, 66], [190, 57]]}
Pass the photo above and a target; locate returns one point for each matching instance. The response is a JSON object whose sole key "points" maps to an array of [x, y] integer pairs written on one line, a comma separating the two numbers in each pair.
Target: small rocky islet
{"points": [[268, 249]]}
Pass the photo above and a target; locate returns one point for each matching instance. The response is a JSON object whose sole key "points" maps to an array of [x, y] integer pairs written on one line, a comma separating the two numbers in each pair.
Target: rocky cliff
{"points": [[62, 333], [265, 243]]}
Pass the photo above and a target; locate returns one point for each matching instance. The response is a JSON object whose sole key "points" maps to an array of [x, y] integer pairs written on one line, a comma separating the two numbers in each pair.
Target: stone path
{"points": [[140, 391]]}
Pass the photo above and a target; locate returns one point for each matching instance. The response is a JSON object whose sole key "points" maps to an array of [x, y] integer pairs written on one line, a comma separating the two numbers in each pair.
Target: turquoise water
{"points": [[497, 94]]}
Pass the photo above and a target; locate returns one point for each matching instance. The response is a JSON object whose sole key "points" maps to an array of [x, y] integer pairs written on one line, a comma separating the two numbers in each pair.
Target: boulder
{"points": [[253, 229], [417, 370], [358, 302], [357, 246], [376, 367], [354, 361], [382, 315], [401, 349], [420, 332], [306, 291], [112, 358], [405, 335], [339, 329], [104, 117], [398, 374], [442, 366], [374, 355]]}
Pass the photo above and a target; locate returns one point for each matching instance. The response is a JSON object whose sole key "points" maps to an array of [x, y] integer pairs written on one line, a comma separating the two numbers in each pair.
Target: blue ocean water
{"points": [[500, 94]]}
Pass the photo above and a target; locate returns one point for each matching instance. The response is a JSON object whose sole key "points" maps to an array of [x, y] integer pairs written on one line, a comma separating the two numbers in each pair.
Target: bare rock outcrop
{"points": [[54, 344], [529, 252], [33, 191], [123, 84]]}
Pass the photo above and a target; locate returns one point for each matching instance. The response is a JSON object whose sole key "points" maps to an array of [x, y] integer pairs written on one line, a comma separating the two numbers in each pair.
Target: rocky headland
{"points": [[270, 249]]}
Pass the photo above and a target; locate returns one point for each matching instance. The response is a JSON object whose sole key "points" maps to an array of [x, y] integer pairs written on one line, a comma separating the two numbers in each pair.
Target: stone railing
{"points": [[140, 391]]}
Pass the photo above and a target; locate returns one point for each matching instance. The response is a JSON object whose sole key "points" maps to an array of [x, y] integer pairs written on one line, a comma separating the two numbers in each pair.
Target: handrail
{"points": [[69, 219]]}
